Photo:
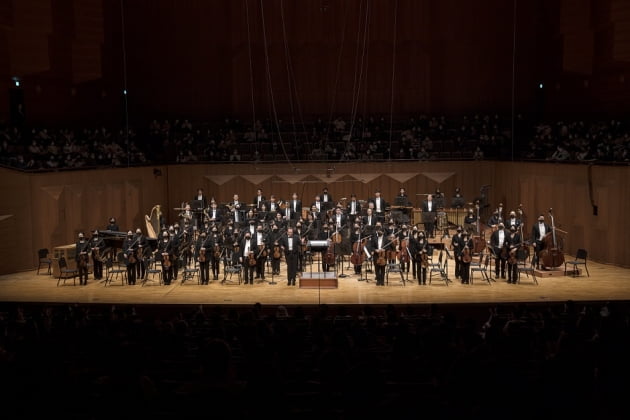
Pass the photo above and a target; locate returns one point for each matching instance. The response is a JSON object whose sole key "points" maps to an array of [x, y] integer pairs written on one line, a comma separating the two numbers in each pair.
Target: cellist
{"points": [[539, 230]]}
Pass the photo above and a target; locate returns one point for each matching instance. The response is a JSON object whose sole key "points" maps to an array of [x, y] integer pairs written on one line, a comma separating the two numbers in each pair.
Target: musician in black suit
{"points": [[165, 254], [82, 258], [403, 204], [142, 251], [429, 208], [379, 204], [378, 249], [214, 245], [419, 249], [513, 242], [369, 220], [539, 230], [339, 220], [498, 242], [214, 213], [294, 206], [130, 246], [291, 246], [327, 198], [112, 226], [464, 256], [262, 250], [457, 243], [202, 201], [97, 247], [259, 199], [353, 208], [325, 234], [248, 258], [203, 250]]}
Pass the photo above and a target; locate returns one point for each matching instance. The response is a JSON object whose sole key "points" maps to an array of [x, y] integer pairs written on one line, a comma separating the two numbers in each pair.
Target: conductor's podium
{"points": [[319, 280]]}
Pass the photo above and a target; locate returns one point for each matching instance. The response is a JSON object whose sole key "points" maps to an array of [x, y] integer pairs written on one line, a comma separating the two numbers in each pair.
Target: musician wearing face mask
{"points": [[498, 242], [248, 257], [419, 250], [214, 245], [539, 230], [379, 247], [353, 209], [290, 245], [165, 254], [513, 242], [512, 221], [97, 247], [141, 254], [130, 247], [465, 258], [203, 250], [82, 258], [325, 234], [262, 251], [457, 244]]}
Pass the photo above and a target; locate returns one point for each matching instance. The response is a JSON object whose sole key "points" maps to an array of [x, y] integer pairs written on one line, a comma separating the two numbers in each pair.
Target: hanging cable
{"points": [[271, 96], [513, 73], [124, 65], [391, 102], [251, 73]]}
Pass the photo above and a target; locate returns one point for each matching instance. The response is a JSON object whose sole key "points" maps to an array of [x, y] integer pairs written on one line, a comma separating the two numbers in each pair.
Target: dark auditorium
{"points": [[315, 209]]}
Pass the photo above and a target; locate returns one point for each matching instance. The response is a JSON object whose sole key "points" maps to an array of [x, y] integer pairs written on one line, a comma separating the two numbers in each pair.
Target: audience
{"points": [[520, 360], [418, 138]]}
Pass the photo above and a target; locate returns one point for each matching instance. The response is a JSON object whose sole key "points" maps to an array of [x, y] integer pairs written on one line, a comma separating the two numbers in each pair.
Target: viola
{"points": [[166, 260], [466, 257], [251, 259], [380, 259], [202, 255], [404, 251], [277, 251], [424, 259], [217, 251]]}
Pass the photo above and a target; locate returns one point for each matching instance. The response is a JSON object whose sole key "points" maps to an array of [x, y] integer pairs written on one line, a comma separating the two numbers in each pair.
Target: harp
{"points": [[153, 222]]}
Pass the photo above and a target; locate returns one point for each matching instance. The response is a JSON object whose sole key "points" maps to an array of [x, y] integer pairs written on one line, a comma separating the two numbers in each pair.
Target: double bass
{"points": [[551, 254], [405, 254]]}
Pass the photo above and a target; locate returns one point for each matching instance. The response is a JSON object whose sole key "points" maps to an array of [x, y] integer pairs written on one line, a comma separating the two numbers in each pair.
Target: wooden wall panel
{"points": [[49, 209]]}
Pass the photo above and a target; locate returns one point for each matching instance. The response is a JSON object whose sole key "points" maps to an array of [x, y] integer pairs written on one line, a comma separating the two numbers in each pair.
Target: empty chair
{"points": [[580, 259], [113, 271], [44, 260], [394, 268], [482, 268], [66, 273], [153, 270], [438, 269], [525, 265], [190, 272]]}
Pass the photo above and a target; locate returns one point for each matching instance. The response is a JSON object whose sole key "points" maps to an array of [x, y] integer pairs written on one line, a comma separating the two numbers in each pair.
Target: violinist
{"points": [[404, 239], [165, 253], [378, 250], [262, 251], [290, 245], [276, 250], [203, 250], [498, 242], [420, 252], [465, 258], [339, 220], [248, 255], [97, 246], [130, 246], [457, 243], [513, 243], [539, 230], [214, 246]]}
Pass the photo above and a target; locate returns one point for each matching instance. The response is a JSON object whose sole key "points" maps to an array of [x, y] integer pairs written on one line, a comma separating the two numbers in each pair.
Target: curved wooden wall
{"points": [[48, 210]]}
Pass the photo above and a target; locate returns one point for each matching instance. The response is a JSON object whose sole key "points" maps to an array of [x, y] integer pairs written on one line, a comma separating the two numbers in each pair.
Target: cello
{"points": [[551, 254], [358, 257], [405, 255]]}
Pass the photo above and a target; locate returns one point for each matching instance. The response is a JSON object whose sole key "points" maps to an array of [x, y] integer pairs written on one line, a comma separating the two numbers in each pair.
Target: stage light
{"points": [[124, 91], [540, 86], [16, 81]]}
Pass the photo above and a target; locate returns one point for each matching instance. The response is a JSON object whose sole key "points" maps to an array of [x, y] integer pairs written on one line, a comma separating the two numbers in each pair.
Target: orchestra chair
{"points": [[437, 268], [66, 273], [482, 268], [153, 270], [114, 271], [232, 269], [44, 260], [525, 265], [394, 268], [190, 272], [580, 259]]}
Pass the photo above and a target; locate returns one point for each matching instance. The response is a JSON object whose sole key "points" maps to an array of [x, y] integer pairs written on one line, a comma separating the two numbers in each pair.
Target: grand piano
{"points": [[114, 240]]}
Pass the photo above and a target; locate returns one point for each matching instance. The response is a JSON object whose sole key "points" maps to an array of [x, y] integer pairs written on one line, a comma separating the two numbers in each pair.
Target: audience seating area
{"points": [[376, 138], [511, 360]]}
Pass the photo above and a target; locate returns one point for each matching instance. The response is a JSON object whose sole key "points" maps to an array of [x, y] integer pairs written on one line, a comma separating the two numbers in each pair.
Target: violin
{"points": [[404, 251], [251, 259], [424, 259], [202, 255], [380, 259], [277, 251], [217, 251], [166, 260]]}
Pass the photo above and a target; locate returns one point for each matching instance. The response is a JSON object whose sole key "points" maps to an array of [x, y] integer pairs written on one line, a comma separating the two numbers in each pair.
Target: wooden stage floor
{"points": [[606, 283]]}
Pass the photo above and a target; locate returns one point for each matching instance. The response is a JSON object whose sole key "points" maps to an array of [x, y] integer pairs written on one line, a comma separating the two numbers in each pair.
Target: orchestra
{"points": [[215, 236]]}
